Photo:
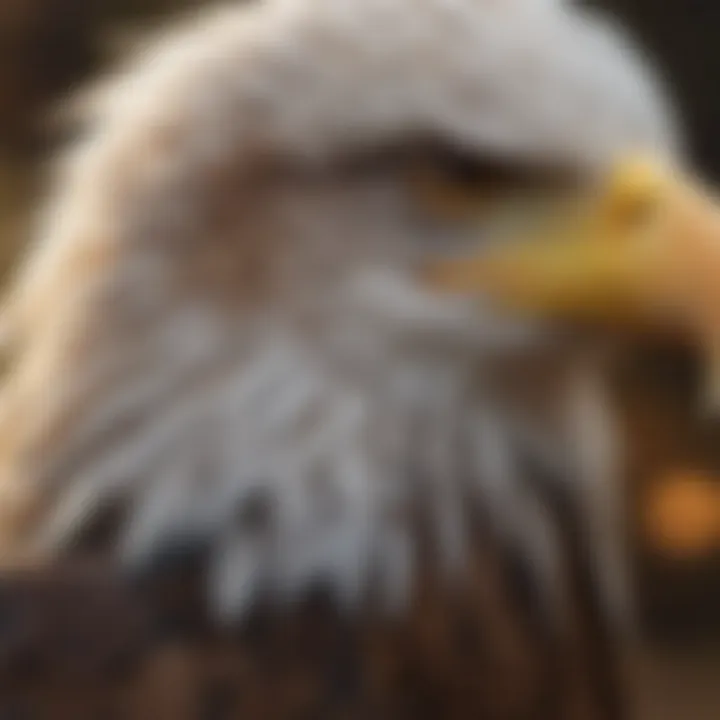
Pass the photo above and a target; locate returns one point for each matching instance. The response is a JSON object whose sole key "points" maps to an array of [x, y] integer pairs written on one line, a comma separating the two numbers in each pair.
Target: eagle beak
{"points": [[641, 253]]}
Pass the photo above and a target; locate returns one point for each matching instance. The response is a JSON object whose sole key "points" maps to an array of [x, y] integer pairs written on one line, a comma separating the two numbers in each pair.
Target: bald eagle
{"points": [[342, 492]]}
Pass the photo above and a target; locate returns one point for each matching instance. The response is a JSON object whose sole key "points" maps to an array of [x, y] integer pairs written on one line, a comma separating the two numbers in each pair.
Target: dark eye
{"points": [[473, 172], [465, 170]]}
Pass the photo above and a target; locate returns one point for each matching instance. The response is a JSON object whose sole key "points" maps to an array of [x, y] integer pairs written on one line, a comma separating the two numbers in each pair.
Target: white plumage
{"points": [[219, 324]]}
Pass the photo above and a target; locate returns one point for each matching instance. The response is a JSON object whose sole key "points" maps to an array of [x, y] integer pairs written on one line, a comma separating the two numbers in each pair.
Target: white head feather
{"points": [[210, 340]]}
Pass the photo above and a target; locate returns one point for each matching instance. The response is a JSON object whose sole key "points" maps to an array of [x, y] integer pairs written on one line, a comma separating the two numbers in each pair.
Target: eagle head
{"points": [[225, 332]]}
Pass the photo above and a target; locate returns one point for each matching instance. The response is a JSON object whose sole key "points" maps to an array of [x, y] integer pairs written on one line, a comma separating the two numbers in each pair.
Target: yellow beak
{"points": [[641, 252]]}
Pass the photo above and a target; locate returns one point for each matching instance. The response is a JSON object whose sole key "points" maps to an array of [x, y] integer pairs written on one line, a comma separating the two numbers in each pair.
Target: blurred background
{"points": [[49, 48]]}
